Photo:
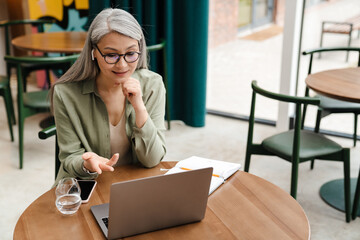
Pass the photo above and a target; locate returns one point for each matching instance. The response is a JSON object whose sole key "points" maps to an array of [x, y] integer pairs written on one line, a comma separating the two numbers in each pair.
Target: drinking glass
{"points": [[68, 198]]}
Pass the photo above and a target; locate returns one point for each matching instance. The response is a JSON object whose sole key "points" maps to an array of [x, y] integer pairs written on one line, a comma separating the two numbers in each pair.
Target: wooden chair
{"points": [[31, 103], [328, 105], [297, 146]]}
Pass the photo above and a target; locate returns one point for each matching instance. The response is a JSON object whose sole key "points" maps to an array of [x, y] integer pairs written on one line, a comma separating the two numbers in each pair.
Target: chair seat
{"points": [[312, 145], [36, 99], [331, 104]]}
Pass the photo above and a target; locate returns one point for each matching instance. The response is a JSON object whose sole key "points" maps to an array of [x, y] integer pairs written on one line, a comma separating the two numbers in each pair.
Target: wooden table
{"points": [[52, 42], [342, 84], [244, 207]]}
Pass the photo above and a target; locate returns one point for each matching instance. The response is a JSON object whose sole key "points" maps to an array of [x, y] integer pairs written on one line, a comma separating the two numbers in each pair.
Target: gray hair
{"points": [[107, 21]]}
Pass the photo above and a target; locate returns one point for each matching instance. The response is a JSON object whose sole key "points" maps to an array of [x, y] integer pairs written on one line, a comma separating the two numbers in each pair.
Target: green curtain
{"points": [[184, 26]]}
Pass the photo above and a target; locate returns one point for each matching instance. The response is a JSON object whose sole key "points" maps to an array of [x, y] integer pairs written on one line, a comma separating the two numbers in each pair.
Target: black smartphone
{"points": [[87, 187]]}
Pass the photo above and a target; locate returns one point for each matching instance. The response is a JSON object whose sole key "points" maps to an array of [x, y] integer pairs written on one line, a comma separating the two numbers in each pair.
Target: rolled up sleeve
{"points": [[149, 141]]}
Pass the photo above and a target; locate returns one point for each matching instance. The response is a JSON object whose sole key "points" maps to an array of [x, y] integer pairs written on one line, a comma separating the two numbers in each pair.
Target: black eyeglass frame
{"points": [[119, 55]]}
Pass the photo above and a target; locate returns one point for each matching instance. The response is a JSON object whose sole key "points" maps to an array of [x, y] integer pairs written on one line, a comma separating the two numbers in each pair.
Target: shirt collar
{"points": [[89, 86]]}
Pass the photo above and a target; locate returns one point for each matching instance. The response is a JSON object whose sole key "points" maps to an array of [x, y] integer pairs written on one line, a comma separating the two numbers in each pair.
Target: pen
{"points": [[184, 168]]}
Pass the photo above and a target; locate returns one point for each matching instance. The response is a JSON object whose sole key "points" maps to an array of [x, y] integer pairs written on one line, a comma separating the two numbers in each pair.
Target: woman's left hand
{"points": [[132, 90]]}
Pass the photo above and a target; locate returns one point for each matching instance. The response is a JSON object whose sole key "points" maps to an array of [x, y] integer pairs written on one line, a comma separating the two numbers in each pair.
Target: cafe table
{"points": [[342, 84], [51, 42], [244, 207]]}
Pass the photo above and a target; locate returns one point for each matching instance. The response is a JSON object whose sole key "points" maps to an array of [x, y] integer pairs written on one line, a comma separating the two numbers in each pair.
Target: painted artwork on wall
{"points": [[68, 15]]}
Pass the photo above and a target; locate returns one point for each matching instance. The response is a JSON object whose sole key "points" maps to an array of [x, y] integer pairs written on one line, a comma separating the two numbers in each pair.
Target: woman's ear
{"points": [[92, 55]]}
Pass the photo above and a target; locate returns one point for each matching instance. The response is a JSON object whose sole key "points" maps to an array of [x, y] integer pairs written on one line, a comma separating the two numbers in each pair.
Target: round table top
{"points": [[341, 84], [244, 207], [51, 42]]}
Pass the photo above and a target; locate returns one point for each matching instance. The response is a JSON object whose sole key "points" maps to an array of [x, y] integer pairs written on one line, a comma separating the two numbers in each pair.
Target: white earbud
{"points": [[92, 55]]}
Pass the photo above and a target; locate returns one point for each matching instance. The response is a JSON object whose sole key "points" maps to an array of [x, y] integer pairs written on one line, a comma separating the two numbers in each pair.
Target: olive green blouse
{"points": [[82, 124]]}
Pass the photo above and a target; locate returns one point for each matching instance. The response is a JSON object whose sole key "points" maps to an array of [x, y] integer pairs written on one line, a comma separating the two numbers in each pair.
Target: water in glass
{"points": [[68, 203], [68, 198]]}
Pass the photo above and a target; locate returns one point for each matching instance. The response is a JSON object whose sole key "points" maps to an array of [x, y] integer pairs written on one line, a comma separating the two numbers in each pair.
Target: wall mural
{"points": [[70, 15]]}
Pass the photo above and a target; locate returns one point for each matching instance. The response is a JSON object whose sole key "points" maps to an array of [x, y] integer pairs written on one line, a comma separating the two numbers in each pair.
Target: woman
{"points": [[108, 107]]}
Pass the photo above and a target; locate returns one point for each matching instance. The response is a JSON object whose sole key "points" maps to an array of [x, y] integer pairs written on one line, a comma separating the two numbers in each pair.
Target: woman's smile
{"points": [[120, 73]]}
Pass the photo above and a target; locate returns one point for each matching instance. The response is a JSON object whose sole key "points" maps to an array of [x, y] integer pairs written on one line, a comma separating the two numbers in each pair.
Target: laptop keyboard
{"points": [[106, 221]]}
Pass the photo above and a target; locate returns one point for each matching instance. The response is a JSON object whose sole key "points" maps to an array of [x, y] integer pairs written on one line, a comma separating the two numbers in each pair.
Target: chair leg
{"points": [[168, 119], [318, 120], [294, 178], [57, 161], [356, 199], [312, 164], [21, 139], [247, 161], [355, 129], [25, 74], [317, 129], [346, 159], [13, 119], [9, 111]]}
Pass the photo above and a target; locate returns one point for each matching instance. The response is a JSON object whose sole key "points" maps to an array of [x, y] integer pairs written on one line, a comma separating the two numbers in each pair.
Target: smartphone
{"points": [[87, 187]]}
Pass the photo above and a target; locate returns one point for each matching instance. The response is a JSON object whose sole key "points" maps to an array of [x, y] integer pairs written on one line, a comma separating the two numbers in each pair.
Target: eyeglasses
{"points": [[114, 58]]}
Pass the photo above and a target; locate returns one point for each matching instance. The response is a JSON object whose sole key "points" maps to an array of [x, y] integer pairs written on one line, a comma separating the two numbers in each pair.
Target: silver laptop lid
{"points": [[158, 202]]}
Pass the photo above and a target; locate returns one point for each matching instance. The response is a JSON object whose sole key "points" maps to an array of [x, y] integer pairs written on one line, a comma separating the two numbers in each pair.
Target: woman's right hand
{"points": [[95, 163]]}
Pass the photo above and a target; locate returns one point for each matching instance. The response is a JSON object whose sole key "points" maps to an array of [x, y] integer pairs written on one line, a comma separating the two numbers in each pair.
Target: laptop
{"points": [[153, 203]]}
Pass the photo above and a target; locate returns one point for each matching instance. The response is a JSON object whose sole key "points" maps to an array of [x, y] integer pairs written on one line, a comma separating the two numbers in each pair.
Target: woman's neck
{"points": [[104, 87]]}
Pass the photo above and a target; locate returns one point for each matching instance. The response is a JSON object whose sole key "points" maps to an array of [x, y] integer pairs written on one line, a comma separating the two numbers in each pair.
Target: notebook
{"points": [[154, 203], [222, 170]]}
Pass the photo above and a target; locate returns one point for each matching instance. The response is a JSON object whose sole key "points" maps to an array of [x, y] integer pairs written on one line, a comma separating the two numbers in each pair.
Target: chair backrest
{"points": [[319, 50], [157, 47], [60, 62], [298, 101], [7, 24]]}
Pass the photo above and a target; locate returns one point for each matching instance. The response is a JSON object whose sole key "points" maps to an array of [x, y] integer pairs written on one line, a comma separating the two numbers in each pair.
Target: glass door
{"points": [[254, 13], [244, 13], [262, 12]]}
